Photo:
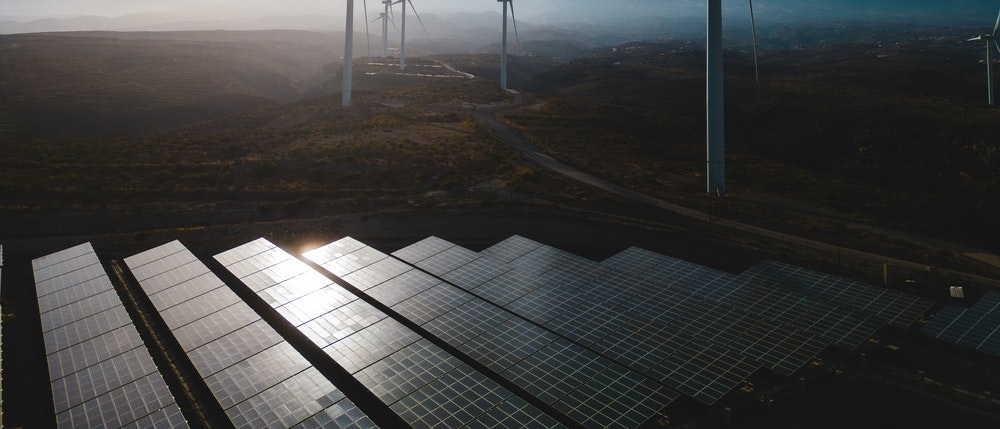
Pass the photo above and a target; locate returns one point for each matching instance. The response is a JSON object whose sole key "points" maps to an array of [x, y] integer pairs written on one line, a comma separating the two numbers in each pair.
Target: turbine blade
{"points": [[753, 28], [995, 42], [997, 25], [975, 39], [418, 17], [514, 19]]}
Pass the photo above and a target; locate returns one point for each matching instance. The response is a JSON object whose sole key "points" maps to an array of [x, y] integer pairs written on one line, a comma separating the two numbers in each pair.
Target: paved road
{"points": [[832, 252]]}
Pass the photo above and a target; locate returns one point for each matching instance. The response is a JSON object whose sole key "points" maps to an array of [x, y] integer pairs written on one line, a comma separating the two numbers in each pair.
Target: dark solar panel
{"points": [[259, 379], [889, 306], [553, 369], [508, 250], [977, 327], [424, 384], [415, 252], [942, 320], [101, 373], [698, 330]]}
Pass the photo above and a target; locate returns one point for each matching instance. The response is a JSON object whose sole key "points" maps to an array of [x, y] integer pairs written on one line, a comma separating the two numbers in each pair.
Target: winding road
{"points": [[831, 252]]}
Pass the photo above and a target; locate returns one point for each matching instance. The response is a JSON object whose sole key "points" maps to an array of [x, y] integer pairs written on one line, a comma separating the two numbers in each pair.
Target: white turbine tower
{"points": [[348, 54], [386, 19], [715, 97], [402, 39], [503, 49], [349, 50], [991, 37]]}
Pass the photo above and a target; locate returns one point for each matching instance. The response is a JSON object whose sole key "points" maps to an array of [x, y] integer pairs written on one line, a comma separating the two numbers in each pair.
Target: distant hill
{"points": [[113, 83], [904, 126]]}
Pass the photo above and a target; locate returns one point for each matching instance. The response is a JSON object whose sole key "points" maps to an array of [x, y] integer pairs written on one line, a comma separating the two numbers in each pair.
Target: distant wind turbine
{"points": [[503, 50], [385, 17], [753, 29], [402, 39], [716, 99], [991, 37], [349, 51]]}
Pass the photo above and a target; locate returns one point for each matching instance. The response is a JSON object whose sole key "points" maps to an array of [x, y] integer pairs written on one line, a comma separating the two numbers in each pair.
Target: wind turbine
{"points": [[385, 17], [715, 97], [349, 51], [402, 39], [992, 37], [503, 50]]}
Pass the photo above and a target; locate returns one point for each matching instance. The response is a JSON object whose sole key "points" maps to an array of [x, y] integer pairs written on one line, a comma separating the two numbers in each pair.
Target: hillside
{"points": [[899, 135], [207, 129], [129, 83]]}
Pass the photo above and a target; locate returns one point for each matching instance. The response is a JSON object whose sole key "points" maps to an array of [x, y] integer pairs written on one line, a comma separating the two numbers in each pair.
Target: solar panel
{"points": [[422, 383], [259, 379], [378, 273], [544, 259], [545, 303], [449, 259], [400, 288], [977, 327], [650, 313], [467, 321], [101, 373], [703, 371], [415, 252], [892, 307], [942, 320], [583, 327], [470, 273], [508, 287], [514, 347], [504, 345], [509, 249]]}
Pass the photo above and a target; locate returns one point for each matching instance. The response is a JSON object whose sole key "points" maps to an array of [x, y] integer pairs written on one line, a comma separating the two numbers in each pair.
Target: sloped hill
{"points": [[112, 83], [897, 134]]}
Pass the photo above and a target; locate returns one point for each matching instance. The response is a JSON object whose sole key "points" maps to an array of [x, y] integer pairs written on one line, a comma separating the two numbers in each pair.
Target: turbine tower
{"points": [[385, 17], [348, 54], [349, 51], [715, 101], [715, 97], [991, 37], [402, 40], [503, 49]]}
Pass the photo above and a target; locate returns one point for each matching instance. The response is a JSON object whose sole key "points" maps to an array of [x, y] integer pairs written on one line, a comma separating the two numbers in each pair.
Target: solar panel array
{"points": [[421, 382], [696, 330], [601, 344], [259, 379], [976, 328], [101, 373], [581, 384], [887, 306], [590, 306]]}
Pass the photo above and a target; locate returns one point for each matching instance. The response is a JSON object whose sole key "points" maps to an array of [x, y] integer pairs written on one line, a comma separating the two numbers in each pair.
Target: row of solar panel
{"points": [[424, 384], [595, 342], [560, 373], [568, 299], [624, 306], [101, 374], [977, 327], [258, 378]]}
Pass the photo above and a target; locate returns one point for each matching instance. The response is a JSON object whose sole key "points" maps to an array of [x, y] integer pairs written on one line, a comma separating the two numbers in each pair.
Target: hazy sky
{"points": [[123, 7], [227, 9], [284, 7]]}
